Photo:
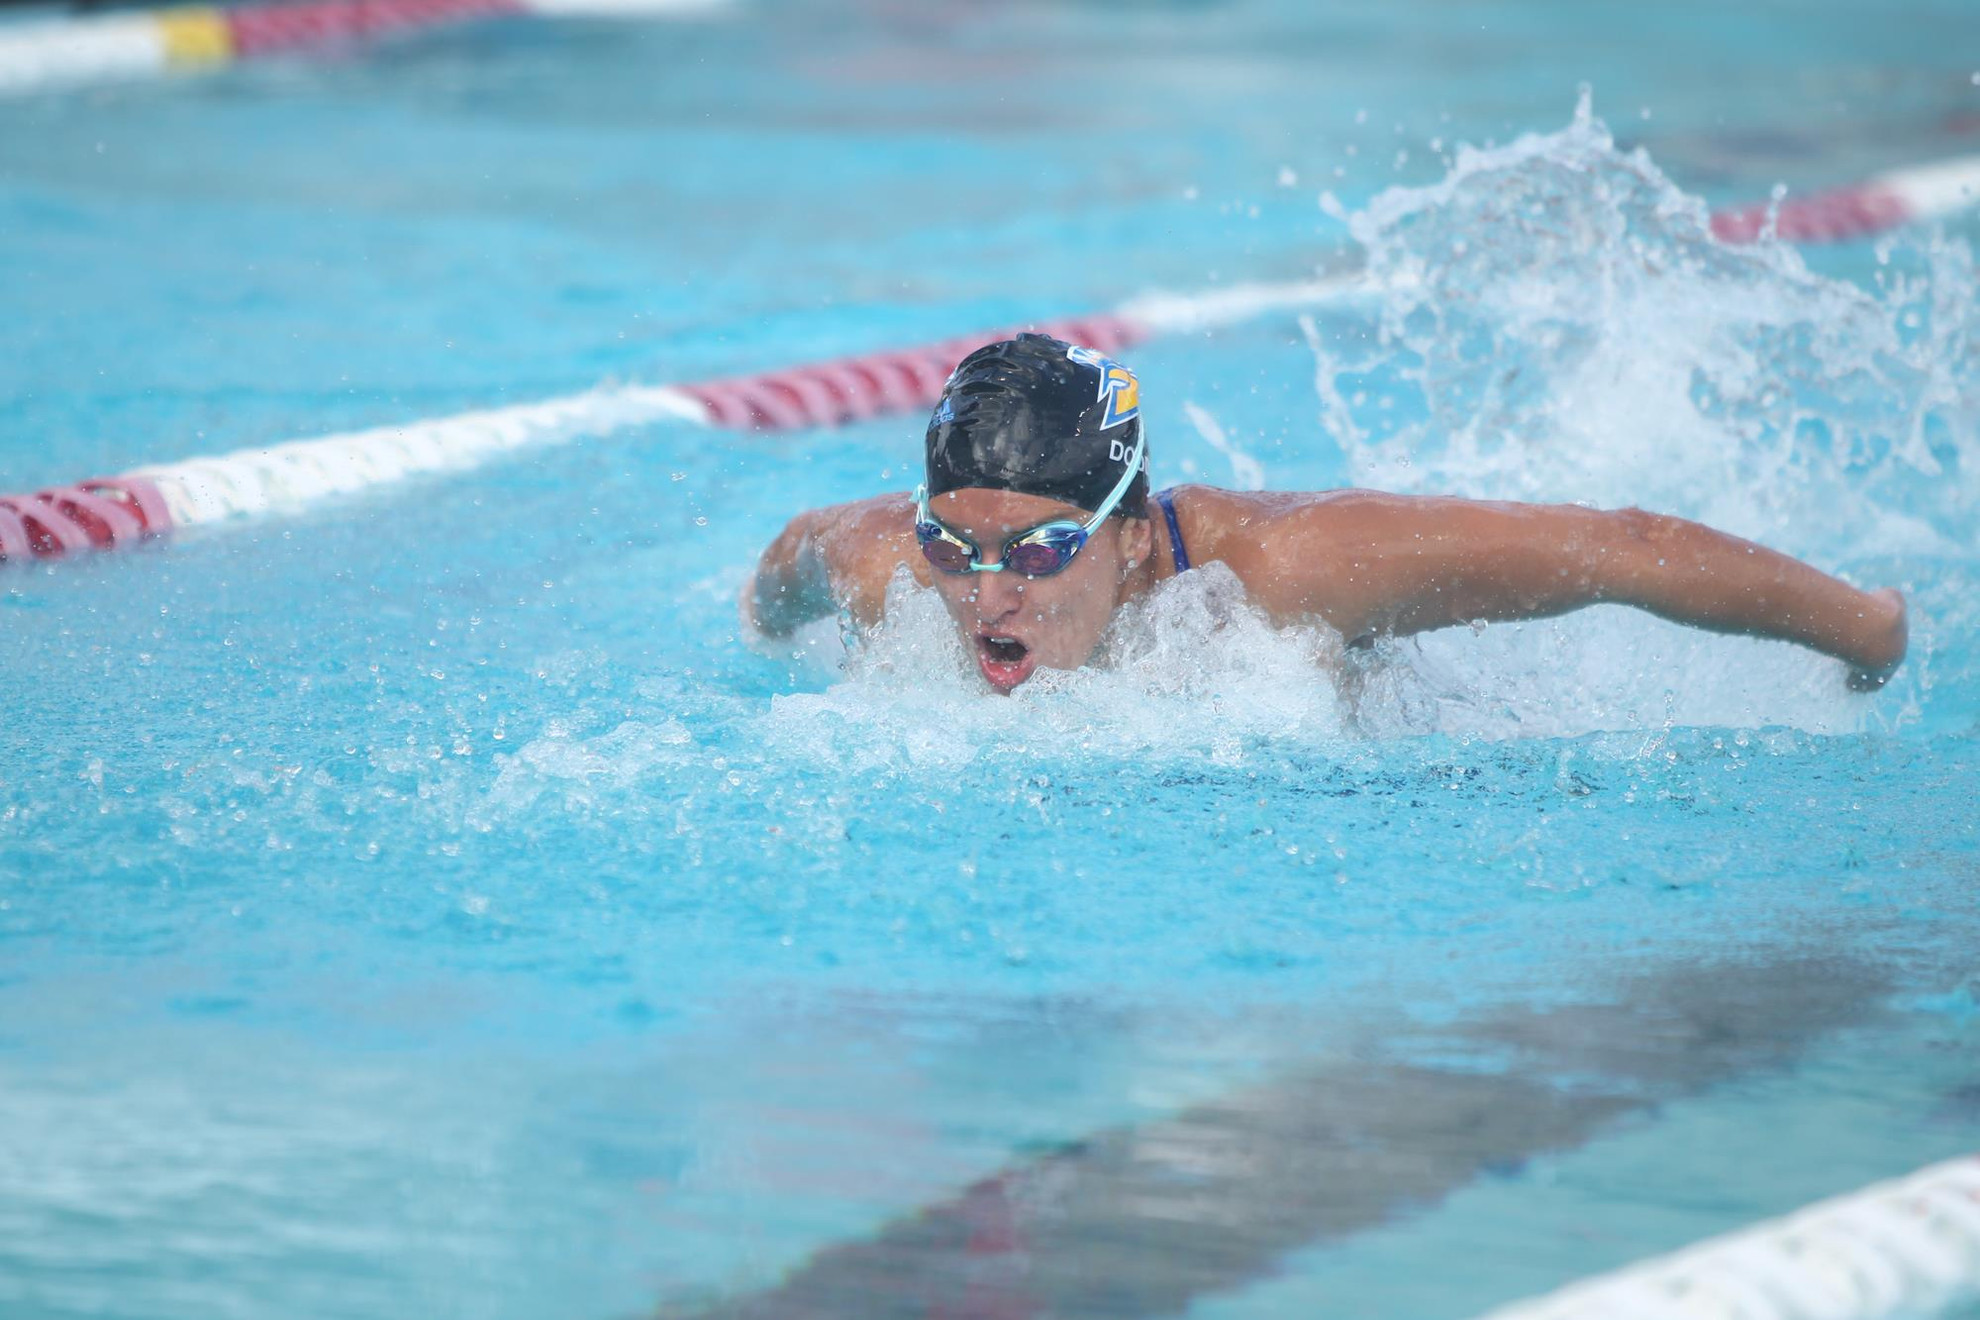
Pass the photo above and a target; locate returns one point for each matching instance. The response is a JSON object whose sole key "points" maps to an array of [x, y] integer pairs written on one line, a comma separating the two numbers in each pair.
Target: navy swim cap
{"points": [[1039, 416]]}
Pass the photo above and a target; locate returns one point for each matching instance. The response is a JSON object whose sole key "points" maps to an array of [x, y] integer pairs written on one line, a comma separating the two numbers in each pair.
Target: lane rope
{"points": [[1879, 203], [39, 55], [110, 512], [1908, 1247]]}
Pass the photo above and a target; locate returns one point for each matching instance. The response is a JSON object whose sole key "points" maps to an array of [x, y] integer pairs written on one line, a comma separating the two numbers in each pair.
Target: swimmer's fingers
{"points": [[1886, 646]]}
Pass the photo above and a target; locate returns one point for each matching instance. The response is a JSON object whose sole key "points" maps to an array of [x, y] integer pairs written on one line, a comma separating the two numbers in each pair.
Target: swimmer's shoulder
{"points": [[1298, 553], [888, 517], [865, 542], [1247, 527]]}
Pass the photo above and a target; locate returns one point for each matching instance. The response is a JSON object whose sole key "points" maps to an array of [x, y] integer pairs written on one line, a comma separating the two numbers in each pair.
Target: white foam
{"points": [[1562, 325], [1192, 671], [575, 772]]}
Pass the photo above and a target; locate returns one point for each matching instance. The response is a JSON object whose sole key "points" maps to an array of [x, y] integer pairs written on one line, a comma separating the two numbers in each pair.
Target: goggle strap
{"points": [[1121, 486], [1082, 530]]}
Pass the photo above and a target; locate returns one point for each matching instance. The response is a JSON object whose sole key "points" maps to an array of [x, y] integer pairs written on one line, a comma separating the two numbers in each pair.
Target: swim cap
{"points": [[1039, 416]]}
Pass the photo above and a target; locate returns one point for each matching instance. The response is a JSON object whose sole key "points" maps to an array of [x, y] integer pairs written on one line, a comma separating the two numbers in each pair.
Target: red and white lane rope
{"points": [[39, 55], [1905, 1248], [1879, 203], [118, 511], [150, 501]]}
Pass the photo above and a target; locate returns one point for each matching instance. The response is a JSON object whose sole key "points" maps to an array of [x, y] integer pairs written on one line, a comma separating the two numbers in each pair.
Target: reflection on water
{"points": [[1142, 1220]]}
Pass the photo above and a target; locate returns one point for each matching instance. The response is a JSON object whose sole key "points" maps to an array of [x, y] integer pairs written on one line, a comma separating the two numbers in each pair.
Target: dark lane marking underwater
{"points": [[1143, 1220]]}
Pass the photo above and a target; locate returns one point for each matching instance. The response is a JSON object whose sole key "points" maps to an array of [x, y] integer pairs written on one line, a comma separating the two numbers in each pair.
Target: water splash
{"points": [[1194, 669], [1247, 473], [575, 771], [1561, 324]]}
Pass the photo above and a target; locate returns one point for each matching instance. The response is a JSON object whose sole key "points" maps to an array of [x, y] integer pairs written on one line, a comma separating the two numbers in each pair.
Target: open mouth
{"points": [[1005, 661]]}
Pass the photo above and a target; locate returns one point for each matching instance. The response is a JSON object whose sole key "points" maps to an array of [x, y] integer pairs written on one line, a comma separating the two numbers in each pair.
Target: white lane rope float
{"points": [[48, 54], [110, 512], [1904, 1248]]}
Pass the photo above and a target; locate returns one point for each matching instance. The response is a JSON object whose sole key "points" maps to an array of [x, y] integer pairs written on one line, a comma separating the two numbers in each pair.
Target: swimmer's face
{"points": [[1012, 624]]}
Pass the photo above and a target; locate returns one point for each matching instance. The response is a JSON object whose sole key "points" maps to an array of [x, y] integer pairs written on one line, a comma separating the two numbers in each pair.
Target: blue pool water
{"points": [[431, 906]]}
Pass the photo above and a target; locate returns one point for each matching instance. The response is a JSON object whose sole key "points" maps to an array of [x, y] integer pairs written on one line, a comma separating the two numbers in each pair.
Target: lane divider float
{"points": [[113, 512], [1880, 203], [45, 54], [1907, 1247], [109, 512]]}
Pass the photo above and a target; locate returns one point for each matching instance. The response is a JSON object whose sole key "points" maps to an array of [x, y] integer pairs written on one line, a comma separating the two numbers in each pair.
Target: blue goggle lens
{"points": [[1043, 557]]}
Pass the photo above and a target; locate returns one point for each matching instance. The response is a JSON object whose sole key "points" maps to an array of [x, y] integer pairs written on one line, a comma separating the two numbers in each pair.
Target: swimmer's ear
{"points": [[1137, 540]]}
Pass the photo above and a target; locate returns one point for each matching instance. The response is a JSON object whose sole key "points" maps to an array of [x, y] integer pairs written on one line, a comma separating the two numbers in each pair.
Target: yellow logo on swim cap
{"points": [[1123, 396], [1118, 387]]}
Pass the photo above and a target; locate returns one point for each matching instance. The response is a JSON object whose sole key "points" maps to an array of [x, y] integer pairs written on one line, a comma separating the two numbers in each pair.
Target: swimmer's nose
{"points": [[997, 595]]}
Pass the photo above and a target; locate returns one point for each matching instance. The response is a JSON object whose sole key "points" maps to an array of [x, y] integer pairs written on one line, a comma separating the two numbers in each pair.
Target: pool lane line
{"points": [[1150, 1218], [121, 511], [115, 512], [1907, 1247], [45, 54], [1880, 203]]}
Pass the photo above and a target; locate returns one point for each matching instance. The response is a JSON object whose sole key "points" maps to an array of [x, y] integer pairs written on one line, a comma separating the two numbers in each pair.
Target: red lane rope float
{"points": [[267, 29], [96, 514], [136, 496], [1830, 217], [123, 510], [1880, 203], [15, 543]]}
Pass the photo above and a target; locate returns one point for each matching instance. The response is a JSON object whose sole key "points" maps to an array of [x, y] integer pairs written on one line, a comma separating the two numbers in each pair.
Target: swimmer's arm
{"points": [[826, 560], [1397, 564]]}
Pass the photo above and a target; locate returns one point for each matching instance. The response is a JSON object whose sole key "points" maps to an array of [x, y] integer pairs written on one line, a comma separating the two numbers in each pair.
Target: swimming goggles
{"points": [[1044, 550]]}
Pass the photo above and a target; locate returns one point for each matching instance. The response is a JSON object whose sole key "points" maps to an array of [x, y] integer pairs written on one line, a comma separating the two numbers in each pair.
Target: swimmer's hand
{"points": [[1886, 635]]}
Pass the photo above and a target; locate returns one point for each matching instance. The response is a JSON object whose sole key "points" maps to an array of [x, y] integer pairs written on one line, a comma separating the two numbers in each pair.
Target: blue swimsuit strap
{"points": [[1167, 499]]}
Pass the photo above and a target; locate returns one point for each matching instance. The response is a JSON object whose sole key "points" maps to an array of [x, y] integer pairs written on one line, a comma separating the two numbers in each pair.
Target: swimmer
{"points": [[1035, 524]]}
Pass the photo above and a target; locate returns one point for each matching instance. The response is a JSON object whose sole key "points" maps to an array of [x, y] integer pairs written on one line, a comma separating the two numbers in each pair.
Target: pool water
{"points": [[431, 905]]}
